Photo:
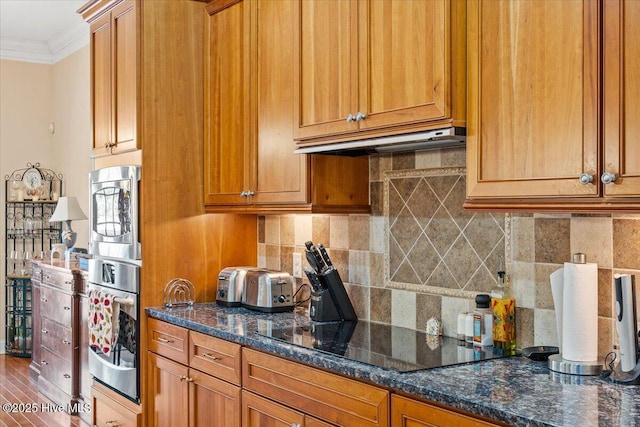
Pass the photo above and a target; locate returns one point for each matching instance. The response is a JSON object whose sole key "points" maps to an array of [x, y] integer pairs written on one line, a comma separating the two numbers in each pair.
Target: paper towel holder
{"points": [[572, 367], [558, 364]]}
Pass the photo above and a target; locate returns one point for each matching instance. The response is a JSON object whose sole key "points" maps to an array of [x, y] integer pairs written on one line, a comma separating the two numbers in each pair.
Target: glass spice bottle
{"points": [[503, 307]]}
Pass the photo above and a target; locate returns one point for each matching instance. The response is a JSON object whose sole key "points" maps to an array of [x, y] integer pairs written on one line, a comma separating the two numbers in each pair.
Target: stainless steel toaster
{"points": [[269, 291], [231, 286]]}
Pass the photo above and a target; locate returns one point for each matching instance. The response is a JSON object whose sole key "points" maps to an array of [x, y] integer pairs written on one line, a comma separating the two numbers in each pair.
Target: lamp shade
{"points": [[67, 209]]}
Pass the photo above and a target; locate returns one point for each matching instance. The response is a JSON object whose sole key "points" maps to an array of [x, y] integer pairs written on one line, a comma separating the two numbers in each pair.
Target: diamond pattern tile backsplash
{"points": [[431, 241], [420, 254]]}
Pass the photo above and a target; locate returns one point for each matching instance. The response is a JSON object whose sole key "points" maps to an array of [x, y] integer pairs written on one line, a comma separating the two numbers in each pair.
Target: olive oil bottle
{"points": [[503, 307]]}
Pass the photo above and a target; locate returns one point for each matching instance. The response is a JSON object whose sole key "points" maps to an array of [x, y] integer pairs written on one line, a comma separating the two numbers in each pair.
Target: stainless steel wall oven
{"points": [[115, 364]]}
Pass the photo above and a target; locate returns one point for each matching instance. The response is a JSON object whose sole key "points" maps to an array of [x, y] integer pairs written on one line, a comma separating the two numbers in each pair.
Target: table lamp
{"points": [[67, 210]]}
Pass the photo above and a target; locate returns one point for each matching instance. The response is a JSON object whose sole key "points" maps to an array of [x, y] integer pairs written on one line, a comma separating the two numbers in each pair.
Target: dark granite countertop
{"points": [[514, 390]]}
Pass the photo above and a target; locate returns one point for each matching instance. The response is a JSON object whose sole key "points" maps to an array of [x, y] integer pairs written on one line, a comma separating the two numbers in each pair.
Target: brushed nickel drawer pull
{"points": [[44, 331], [67, 308], [112, 423], [44, 362], [43, 299], [189, 379], [164, 340], [210, 356], [66, 342], [67, 376]]}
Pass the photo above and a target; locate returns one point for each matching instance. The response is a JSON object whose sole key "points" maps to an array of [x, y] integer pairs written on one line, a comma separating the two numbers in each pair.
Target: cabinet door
{"points": [[411, 413], [258, 412], [214, 403], [622, 97], [278, 175], [227, 120], [170, 391], [326, 76], [533, 98], [404, 61], [124, 75], [101, 83]]}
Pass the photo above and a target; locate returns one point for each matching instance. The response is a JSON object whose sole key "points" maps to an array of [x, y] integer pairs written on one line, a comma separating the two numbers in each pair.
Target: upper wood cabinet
{"points": [[250, 165], [381, 66], [622, 97], [113, 75], [537, 101]]}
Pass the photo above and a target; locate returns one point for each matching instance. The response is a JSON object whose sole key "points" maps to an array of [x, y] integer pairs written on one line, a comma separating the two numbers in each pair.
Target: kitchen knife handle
{"points": [[325, 255], [313, 279], [311, 259]]}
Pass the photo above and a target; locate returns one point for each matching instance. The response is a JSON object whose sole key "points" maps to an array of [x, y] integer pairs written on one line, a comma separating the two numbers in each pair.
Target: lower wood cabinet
{"points": [[407, 412], [58, 335], [111, 409], [199, 380], [258, 411], [330, 397], [183, 395]]}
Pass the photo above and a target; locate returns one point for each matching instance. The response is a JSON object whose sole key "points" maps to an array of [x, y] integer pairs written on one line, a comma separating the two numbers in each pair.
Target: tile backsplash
{"points": [[419, 254]]}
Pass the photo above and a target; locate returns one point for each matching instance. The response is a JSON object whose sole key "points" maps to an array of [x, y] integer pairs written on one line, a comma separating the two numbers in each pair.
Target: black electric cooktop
{"points": [[385, 346]]}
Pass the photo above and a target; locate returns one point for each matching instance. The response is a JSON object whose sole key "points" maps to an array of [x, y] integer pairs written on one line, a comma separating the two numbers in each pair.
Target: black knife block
{"points": [[331, 303]]}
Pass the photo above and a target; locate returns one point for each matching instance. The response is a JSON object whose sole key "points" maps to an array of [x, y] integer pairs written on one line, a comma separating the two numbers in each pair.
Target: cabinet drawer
{"points": [[56, 305], [58, 279], [330, 397], [168, 340], [111, 410], [57, 338], [57, 371], [36, 271], [408, 412], [215, 357]]}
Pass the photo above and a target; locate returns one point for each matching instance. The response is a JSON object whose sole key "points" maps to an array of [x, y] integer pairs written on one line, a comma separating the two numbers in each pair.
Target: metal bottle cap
{"points": [[579, 258]]}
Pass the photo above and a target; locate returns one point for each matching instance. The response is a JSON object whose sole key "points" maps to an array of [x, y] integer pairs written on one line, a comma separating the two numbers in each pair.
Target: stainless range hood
{"points": [[440, 138]]}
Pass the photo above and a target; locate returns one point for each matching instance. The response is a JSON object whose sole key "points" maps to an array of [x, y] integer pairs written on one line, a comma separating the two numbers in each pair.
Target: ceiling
{"points": [[41, 30]]}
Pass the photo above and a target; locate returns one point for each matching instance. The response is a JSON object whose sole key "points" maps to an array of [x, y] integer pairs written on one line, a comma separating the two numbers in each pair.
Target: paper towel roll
{"points": [[557, 289], [580, 312]]}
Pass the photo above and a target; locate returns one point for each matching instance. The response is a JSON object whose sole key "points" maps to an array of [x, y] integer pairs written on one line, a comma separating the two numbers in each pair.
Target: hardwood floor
{"points": [[17, 389]]}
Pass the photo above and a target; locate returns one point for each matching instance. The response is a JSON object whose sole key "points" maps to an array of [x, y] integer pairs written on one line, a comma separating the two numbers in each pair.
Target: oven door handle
{"points": [[124, 301]]}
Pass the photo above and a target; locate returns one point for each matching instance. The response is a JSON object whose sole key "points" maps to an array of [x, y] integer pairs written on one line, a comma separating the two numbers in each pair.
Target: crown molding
{"points": [[58, 47]]}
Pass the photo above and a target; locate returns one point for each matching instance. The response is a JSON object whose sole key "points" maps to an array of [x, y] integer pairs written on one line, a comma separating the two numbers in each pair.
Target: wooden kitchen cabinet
{"points": [[113, 75], [372, 67], [258, 411], [111, 409], [169, 123], [329, 397], [184, 395], [59, 335], [406, 412], [250, 165], [538, 93], [621, 100]]}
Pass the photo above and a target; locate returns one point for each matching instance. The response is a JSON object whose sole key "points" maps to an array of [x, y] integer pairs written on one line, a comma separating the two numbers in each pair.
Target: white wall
{"points": [[71, 142], [32, 96]]}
